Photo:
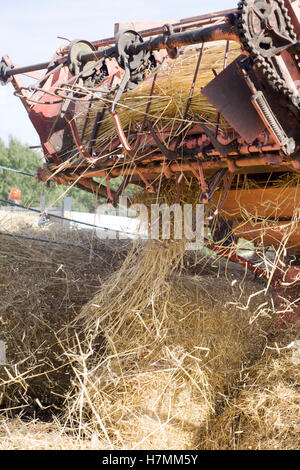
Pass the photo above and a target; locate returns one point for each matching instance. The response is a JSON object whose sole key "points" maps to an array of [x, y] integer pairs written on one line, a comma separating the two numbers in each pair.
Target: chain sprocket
{"points": [[265, 28]]}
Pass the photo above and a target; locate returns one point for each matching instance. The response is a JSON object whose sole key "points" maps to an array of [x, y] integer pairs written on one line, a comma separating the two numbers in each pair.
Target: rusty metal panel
{"points": [[264, 203], [271, 212], [230, 94], [270, 234]]}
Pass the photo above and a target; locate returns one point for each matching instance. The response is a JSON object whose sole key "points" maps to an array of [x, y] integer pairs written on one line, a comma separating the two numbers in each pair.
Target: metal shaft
{"points": [[187, 38], [29, 68], [198, 35], [182, 25]]}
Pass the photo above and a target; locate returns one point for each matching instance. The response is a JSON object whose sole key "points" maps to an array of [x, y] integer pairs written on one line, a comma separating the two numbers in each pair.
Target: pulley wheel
{"points": [[76, 49]]}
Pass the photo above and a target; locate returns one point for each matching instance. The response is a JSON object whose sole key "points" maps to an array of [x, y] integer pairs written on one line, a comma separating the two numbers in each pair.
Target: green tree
{"points": [[20, 157]]}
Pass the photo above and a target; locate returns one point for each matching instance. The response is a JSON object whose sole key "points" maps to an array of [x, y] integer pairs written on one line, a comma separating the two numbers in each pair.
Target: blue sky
{"points": [[29, 31]]}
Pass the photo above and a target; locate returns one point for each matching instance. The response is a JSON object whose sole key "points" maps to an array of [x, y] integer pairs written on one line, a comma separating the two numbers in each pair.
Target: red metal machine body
{"points": [[262, 109]]}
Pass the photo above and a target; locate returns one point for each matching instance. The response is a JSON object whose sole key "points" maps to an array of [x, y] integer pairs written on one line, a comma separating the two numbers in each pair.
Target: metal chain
{"points": [[266, 65]]}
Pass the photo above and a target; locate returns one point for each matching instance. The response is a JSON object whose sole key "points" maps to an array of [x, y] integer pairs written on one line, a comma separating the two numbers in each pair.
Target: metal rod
{"points": [[241, 163], [213, 33], [26, 69], [104, 53], [137, 145], [209, 17], [188, 104], [96, 128], [177, 27], [223, 251], [224, 67], [198, 35], [75, 133]]}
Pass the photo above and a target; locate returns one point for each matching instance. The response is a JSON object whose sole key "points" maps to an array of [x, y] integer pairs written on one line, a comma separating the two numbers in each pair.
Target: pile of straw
{"points": [[43, 287], [174, 347], [36, 435], [149, 352], [170, 96], [266, 414]]}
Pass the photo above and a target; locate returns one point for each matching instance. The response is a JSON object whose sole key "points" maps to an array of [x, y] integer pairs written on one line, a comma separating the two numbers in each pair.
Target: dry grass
{"points": [[16, 434], [173, 348], [164, 356], [266, 414], [42, 288], [145, 365]]}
